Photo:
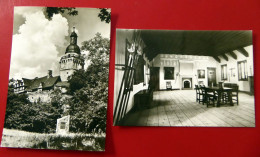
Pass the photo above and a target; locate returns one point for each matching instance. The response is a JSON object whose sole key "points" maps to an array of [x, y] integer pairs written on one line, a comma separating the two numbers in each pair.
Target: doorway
{"points": [[212, 77], [155, 79]]}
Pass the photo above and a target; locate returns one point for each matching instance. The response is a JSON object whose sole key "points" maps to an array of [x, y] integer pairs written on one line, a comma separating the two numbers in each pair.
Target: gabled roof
{"points": [[27, 82], [46, 82]]}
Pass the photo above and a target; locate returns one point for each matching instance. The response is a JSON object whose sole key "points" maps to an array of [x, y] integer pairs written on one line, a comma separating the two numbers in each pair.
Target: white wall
{"points": [[184, 66], [232, 63], [121, 36]]}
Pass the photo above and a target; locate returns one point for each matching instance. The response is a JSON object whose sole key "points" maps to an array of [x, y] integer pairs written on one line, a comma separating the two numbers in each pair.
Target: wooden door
{"points": [[155, 79], [212, 76]]}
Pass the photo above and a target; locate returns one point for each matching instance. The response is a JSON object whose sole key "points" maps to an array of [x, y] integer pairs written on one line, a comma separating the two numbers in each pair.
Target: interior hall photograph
{"points": [[184, 78]]}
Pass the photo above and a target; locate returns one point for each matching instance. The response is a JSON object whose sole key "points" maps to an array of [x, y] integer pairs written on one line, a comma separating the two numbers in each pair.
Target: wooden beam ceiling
{"points": [[216, 58], [232, 54], [225, 57], [243, 51], [203, 43]]}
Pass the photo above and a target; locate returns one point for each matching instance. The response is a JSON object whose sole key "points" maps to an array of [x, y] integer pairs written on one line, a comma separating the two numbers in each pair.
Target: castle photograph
{"points": [[58, 80]]}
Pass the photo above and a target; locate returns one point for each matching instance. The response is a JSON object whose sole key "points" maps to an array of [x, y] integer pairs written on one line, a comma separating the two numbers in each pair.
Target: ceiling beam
{"points": [[216, 58], [225, 57], [243, 51], [232, 54]]}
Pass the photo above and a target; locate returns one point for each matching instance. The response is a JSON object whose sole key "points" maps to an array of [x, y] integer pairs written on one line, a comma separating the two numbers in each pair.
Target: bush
{"points": [[33, 117]]}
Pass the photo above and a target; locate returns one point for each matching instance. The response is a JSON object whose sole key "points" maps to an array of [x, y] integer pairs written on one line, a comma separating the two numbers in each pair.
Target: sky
{"points": [[38, 43]]}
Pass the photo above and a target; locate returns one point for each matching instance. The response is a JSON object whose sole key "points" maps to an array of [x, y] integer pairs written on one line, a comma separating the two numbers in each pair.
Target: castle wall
{"points": [[44, 96], [64, 74]]}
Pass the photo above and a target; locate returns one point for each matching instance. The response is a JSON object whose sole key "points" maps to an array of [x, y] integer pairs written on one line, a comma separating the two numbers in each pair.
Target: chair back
{"points": [[197, 88], [203, 89], [235, 89]]}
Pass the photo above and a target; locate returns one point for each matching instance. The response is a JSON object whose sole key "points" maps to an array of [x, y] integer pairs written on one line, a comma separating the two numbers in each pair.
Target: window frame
{"points": [[224, 72], [240, 70]]}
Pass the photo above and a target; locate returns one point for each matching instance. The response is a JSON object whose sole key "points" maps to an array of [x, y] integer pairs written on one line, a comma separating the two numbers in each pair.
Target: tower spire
{"points": [[73, 47], [73, 37]]}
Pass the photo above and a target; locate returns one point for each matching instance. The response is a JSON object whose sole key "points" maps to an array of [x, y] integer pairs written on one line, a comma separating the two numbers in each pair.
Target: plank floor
{"points": [[179, 108]]}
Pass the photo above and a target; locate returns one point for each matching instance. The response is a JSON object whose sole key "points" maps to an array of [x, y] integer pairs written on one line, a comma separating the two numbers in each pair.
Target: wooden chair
{"points": [[211, 97], [198, 93], [168, 85], [234, 93], [202, 94]]}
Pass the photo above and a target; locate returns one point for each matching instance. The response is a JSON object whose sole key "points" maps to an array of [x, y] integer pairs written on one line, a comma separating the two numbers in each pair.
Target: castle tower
{"points": [[72, 60]]}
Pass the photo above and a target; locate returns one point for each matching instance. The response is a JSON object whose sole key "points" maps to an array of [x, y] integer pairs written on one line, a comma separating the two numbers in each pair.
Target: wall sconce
{"points": [[232, 72]]}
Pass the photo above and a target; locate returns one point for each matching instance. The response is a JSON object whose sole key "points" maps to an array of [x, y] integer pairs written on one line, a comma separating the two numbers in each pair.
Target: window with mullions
{"points": [[242, 70], [224, 72]]}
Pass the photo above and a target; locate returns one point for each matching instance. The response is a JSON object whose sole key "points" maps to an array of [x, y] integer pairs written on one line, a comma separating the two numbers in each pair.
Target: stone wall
{"points": [[44, 96]]}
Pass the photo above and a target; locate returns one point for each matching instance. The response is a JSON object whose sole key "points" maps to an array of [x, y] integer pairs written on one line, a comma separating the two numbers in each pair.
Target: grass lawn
{"points": [[23, 139]]}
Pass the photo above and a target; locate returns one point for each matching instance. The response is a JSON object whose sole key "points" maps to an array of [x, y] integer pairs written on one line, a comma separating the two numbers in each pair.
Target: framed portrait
{"points": [[201, 73], [169, 73]]}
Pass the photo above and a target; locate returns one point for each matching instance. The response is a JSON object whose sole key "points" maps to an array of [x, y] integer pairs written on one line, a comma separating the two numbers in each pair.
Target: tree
{"points": [[104, 14], [88, 104], [77, 81], [50, 11], [13, 108], [39, 117]]}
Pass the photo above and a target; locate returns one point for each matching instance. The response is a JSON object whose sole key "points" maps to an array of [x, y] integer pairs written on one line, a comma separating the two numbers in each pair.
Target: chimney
{"points": [[49, 74]]}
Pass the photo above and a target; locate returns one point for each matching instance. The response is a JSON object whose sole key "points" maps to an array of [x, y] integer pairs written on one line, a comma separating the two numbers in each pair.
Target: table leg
{"points": [[205, 98], [230, 98], [219, 98]]}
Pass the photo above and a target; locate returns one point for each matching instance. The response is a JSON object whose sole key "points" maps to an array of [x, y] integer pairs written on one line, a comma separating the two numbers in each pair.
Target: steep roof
{"points": [[46, 82], [27, 82]]}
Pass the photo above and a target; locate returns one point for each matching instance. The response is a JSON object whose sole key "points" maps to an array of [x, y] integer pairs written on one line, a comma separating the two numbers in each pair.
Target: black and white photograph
{"points": [[201, 74], [184, 78], [58, 79]]}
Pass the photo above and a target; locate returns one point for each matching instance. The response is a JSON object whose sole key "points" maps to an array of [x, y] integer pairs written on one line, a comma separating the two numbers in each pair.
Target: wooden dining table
{"points": [[220, 92]]}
